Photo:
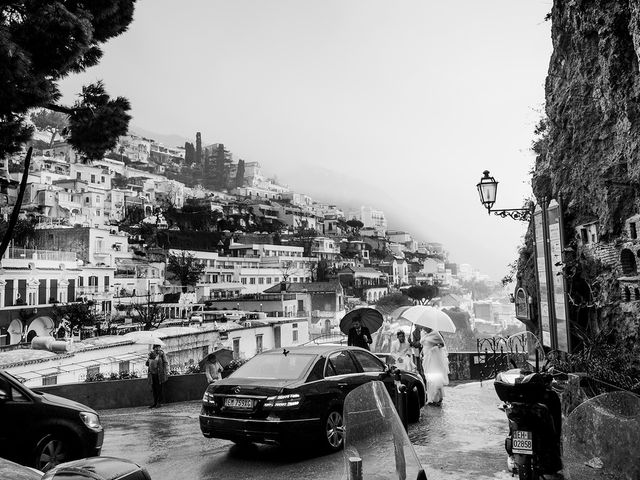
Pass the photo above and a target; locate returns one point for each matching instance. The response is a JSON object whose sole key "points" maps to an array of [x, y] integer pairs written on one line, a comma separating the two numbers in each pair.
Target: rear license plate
{"points": [[243, 403], [523, 442]]}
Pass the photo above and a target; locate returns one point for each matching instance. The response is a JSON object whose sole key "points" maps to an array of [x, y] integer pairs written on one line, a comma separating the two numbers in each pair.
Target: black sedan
{"points": [[291, 395]]}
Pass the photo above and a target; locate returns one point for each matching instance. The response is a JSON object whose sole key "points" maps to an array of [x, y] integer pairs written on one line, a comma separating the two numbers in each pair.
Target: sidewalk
{"points": [[465, 437]]}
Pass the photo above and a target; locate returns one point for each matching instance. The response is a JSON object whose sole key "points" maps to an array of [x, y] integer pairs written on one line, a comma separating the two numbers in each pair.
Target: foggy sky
{"points": [[398, 105]]}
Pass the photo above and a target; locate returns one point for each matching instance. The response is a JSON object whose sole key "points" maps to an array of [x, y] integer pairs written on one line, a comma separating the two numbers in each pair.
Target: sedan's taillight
{"points": [[281, 402]]}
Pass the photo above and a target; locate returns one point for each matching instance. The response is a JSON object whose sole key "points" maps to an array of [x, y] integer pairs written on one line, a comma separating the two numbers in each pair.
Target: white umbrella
{"points": [[431, 317], [144, 338]]}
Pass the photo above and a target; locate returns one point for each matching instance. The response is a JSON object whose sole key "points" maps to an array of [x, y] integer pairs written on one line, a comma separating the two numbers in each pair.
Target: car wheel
{"points": [[53, 449], [333, 431], [413, 405]]}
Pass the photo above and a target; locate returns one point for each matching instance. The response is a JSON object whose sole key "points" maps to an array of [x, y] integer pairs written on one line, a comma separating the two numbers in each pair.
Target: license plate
{"points": [[245, 403], [522, 442]]}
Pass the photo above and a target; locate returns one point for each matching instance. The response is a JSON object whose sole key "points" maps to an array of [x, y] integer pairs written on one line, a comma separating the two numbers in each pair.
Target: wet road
{"points": [[462, 439]]}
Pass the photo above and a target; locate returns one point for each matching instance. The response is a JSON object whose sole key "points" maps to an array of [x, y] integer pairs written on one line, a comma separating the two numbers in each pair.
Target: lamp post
{"points": [[488, 189]]}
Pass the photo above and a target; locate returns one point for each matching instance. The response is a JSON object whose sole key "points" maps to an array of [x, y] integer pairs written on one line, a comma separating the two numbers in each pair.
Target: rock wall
{"points": [[592, 93], [589, 154]]}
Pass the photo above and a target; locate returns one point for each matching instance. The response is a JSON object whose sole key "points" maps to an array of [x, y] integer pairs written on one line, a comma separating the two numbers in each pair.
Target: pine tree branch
{"points": [[60, 109]]}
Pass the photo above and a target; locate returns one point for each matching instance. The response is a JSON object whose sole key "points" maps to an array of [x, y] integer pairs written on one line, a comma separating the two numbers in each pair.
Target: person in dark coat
{"points": [[359, 335], [158, 373]]}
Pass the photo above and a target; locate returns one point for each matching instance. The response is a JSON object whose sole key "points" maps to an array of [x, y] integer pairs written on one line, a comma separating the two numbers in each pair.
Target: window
{"points": [[236, 348], [102, 178], [124, 366], [294, 333], [628, 262], [316, 371], [368, 362], [340, 363], [633, 231], [260, 281], [78, 176], [93, 178], [268, 279], [81, 281], [49, 380], [252, 281], [584, 236], [93, 371], [243, 281], [258, 343]]}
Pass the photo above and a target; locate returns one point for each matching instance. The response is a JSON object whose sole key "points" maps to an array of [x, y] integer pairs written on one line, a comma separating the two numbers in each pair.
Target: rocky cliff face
{"points": [[593, 110], [589, 152]]}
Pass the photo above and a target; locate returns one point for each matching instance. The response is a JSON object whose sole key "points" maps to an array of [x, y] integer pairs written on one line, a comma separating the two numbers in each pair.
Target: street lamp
{"points": [[488, 189]]}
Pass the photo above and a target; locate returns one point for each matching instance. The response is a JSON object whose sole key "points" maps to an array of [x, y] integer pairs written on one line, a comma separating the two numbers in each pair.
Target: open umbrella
{"points": [[223, 355], [431, 317], [144, 338], [397, 313], [370, 318]]}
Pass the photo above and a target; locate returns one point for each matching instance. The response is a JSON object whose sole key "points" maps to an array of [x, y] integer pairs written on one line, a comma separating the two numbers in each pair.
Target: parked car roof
{"points": [[315, 349]]}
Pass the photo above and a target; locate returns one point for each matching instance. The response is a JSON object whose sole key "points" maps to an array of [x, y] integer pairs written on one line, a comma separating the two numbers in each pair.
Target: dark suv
{"points": [[43, 430]]}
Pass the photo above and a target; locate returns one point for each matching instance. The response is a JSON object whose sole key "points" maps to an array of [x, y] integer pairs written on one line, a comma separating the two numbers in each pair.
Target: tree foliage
{"points": [[96, 121], [151, 315], [189, 153], [185, 268], [40, 43], [240, 174], [390, 302], [198, 151], [76, 315], [422, 293], [52, 122]]}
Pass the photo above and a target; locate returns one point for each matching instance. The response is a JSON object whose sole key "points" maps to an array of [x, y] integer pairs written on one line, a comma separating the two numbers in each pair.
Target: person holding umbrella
{"points": [[359, 335], [435, 365], [158, 373]]}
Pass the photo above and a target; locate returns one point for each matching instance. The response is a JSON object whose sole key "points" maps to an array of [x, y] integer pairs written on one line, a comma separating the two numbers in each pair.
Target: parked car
{"points": [[42, 430], [95, 468], [294, 394]]}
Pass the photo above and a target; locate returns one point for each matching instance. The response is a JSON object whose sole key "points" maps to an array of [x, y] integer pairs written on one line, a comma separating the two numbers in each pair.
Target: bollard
{"points": [[355, 468]]}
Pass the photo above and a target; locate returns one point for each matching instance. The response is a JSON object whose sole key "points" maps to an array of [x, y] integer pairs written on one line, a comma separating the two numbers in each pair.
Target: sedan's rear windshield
{"points": [[275, 366]]}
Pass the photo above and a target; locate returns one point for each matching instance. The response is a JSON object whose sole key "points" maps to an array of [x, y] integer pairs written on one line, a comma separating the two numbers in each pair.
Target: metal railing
{"points": [[28, 253]]}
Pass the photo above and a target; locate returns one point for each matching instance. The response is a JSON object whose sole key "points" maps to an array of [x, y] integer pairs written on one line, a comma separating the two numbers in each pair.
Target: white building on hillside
{"points": [[370, 217]]}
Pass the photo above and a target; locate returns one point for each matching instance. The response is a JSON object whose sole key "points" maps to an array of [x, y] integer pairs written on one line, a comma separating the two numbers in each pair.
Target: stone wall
{"points": [[130, 393]]}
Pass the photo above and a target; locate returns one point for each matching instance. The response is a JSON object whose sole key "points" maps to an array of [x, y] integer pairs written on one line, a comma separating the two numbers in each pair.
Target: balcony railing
{"points": [[27, 254]]}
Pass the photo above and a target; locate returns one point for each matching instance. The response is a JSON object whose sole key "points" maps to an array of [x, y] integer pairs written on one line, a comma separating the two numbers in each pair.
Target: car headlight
{"points": [[91, 420]]}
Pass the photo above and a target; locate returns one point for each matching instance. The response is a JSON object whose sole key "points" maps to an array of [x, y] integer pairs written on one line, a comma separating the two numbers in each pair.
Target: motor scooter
{"points": [[533, 409]]}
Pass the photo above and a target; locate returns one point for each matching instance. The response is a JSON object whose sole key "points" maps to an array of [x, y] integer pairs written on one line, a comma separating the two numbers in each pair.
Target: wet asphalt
{"points": [[462, 439]]}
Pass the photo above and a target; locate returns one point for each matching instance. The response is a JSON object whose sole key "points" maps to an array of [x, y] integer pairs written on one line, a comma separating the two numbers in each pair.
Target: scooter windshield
{"points": [[601, 438], [376, 444]]}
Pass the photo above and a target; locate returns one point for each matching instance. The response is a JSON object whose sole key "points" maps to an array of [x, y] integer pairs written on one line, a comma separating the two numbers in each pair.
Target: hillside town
{"points": [[299, 286], [134, 241]]}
